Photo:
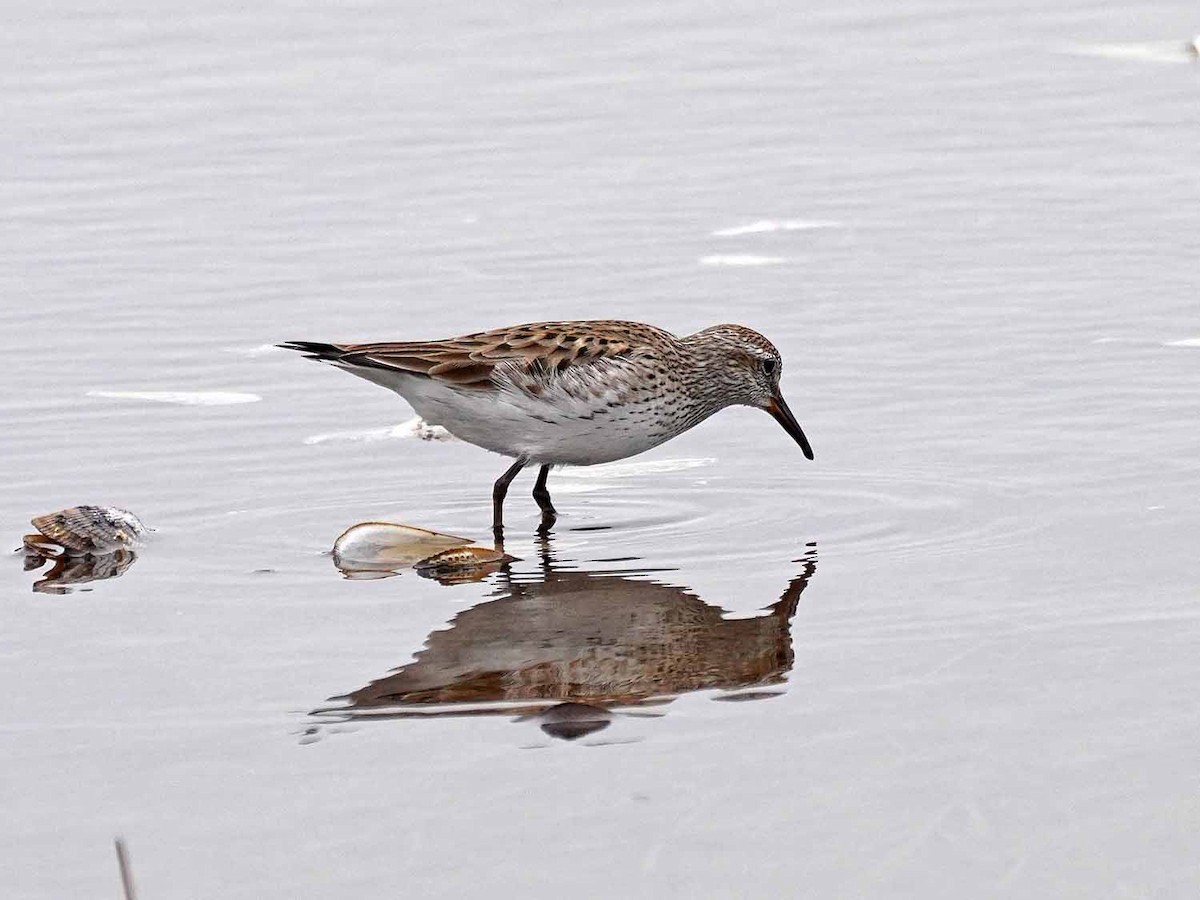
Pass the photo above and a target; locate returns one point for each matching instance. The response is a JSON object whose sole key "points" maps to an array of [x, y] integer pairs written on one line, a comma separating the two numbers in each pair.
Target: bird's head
{"points": [[747, 368]]}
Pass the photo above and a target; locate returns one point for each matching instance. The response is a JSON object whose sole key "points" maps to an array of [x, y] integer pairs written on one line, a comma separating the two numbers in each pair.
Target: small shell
{"points": [[388, 547], [38, 546], [462, 564], [92, 529], [38, 549]]}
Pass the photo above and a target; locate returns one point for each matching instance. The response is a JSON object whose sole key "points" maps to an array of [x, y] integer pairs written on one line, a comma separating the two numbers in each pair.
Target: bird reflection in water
{"points": [[569, 649], [67, 571]]}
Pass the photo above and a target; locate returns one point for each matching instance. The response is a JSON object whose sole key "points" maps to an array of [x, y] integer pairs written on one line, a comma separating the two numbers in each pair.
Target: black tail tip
{"points": [[313, 349]]}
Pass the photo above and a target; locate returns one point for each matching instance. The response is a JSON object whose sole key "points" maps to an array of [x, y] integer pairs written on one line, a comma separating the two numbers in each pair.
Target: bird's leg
{"points": [[542, 496], [498, 492], [545, 548]]}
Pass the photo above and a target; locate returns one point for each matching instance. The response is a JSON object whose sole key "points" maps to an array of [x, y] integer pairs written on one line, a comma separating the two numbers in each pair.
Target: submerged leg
{"points": [[498, 493], [542, 496]]}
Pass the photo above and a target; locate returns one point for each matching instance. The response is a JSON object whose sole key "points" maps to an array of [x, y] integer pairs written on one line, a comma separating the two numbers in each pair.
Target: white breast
{"points": [[579, 429]]}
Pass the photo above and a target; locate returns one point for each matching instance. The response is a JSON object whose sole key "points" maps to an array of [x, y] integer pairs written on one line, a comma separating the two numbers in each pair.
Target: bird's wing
{"points": [[497, 358]]}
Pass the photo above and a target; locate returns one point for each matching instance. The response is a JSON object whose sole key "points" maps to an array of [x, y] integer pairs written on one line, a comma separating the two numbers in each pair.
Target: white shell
{"points": [[388, 547]]}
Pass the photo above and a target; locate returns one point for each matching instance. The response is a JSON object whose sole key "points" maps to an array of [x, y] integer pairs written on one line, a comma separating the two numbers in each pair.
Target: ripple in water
{"points": [[768, 226], [181, 398], [898, 515], [1169, 52]]}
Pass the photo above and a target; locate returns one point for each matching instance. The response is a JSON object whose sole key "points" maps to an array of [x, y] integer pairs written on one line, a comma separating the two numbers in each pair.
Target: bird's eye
{"points": [[769, 366]]}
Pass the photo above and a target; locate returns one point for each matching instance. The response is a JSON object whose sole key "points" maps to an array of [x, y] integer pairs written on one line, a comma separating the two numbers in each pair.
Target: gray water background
{"points": [[995, 659]]}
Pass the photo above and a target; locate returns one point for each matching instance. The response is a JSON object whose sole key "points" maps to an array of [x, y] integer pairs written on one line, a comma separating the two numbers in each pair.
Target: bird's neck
{"points": [[706, 375]]}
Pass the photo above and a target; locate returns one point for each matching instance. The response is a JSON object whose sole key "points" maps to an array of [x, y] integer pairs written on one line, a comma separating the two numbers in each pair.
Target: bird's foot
{"points": [[549, 517]]}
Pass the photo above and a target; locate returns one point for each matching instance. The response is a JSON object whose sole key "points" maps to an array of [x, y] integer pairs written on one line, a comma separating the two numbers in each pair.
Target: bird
{"points": [[572, 393]]}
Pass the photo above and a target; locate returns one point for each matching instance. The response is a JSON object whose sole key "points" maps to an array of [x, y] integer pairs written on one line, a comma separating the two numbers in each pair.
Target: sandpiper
{"points": [[571, 393]]}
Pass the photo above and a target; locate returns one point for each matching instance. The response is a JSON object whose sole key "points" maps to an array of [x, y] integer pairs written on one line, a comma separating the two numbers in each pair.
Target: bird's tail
{"points": [[315, 350]]}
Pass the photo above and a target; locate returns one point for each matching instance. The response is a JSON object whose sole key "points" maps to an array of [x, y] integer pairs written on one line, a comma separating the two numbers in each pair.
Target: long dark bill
{"points": [[784, 417]]}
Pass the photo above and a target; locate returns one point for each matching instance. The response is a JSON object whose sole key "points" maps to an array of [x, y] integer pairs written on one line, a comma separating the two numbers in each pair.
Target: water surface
{"points": [[973, 239]]}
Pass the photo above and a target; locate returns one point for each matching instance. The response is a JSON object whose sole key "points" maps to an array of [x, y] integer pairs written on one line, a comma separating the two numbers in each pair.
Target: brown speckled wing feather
{"points": [[471, 360]]}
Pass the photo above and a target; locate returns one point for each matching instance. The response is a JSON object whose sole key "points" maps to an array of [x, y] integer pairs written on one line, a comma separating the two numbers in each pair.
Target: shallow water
{"points": [[973, 235]]}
